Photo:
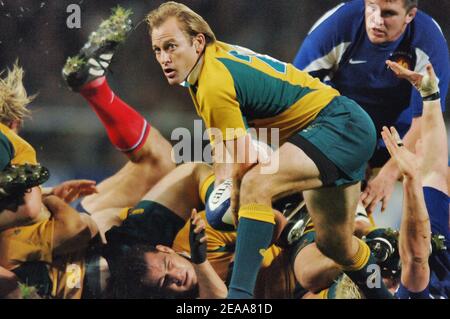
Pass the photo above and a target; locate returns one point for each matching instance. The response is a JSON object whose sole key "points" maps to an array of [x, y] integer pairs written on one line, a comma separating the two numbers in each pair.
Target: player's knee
{"points": [[313, 284], [198, 168], [308, 274], [334, 248], [325, 246], [362, 228], [254, 188], [192, 169], [306, 280], [31, 212], [156, 149], [31, 209], [201, 171]]}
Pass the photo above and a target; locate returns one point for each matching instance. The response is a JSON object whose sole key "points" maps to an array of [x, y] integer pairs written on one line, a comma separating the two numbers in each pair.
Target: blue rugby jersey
{"points": [[338, 51]]}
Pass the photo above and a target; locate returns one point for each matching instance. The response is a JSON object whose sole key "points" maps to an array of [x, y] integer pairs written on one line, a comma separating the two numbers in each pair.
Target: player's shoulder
{"points": [[215, 73], [5, 140], [24, 151], [427, 30], [5, 130], [9, 137], [219, 52], [342, 19]]}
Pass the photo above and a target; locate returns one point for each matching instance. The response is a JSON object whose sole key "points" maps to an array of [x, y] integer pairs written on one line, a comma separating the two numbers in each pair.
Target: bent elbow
{"points": [[30, 210]]}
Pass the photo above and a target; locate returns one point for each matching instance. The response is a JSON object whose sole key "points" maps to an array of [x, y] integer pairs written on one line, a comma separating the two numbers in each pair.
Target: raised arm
{"points": [[210, 284], [73, 230], [415, 229], [28, 212], [428, 170]]}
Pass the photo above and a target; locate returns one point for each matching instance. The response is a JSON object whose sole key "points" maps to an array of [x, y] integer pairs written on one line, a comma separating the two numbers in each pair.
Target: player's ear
{"points": [[411, 15], [199, 43], [164, 249], [15, 125]]}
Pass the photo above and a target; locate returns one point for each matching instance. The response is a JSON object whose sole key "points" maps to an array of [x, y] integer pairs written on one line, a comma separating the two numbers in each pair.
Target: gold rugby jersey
{"points": [[14, 149], [233, 87]]}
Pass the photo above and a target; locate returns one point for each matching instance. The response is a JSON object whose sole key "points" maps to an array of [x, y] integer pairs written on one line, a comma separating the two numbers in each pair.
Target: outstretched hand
{"points": [[407, 162], [74, 189], [426, 84], [379, 189]]}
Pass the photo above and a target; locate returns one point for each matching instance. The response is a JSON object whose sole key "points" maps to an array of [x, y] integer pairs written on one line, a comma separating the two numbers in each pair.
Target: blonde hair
{"points": [[13, 96], [191, 23], [347, 289]]}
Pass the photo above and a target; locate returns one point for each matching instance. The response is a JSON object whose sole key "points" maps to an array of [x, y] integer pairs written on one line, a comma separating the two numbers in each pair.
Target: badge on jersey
{"points": [[405, 59]]}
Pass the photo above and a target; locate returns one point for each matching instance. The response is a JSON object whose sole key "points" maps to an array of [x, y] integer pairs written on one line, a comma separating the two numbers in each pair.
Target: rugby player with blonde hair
{"points": [[63, 239], [325, 140], [26, 225], [14, 149]]}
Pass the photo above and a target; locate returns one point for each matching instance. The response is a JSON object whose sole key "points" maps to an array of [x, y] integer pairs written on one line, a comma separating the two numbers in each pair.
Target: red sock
{"points": [[126, 128]]}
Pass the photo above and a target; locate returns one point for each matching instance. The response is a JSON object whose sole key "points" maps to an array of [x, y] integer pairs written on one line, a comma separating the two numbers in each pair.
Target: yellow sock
{"points": [[260, 212], [360, 259]]}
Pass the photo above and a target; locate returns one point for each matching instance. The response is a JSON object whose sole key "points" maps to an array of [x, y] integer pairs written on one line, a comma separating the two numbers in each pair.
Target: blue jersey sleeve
{"points": [[328, 39], [431, 47], [437, 207], [404, 293]]}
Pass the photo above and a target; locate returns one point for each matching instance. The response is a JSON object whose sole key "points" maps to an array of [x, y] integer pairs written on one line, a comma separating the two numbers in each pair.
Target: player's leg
{"points": [[313, 270], [86, 73], [178, 192], [296, 171], [127, 130], [149, 152], [332, 210], [183, 189], [161, 214], [135, 179], [346, 134]]}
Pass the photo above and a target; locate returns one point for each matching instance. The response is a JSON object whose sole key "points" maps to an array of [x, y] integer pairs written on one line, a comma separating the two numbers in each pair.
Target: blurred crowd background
{"points": [[65, 132]]}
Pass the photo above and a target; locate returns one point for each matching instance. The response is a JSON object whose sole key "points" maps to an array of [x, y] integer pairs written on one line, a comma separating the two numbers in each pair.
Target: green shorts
{"points": [[340, 141]]}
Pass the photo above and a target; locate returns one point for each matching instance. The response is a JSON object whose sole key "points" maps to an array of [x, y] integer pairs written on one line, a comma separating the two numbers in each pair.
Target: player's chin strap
{"points": [[194, 68]]}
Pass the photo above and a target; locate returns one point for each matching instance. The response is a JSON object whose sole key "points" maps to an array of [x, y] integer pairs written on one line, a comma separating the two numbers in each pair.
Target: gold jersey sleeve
{"points": [[24, 153], [34, 243]]}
